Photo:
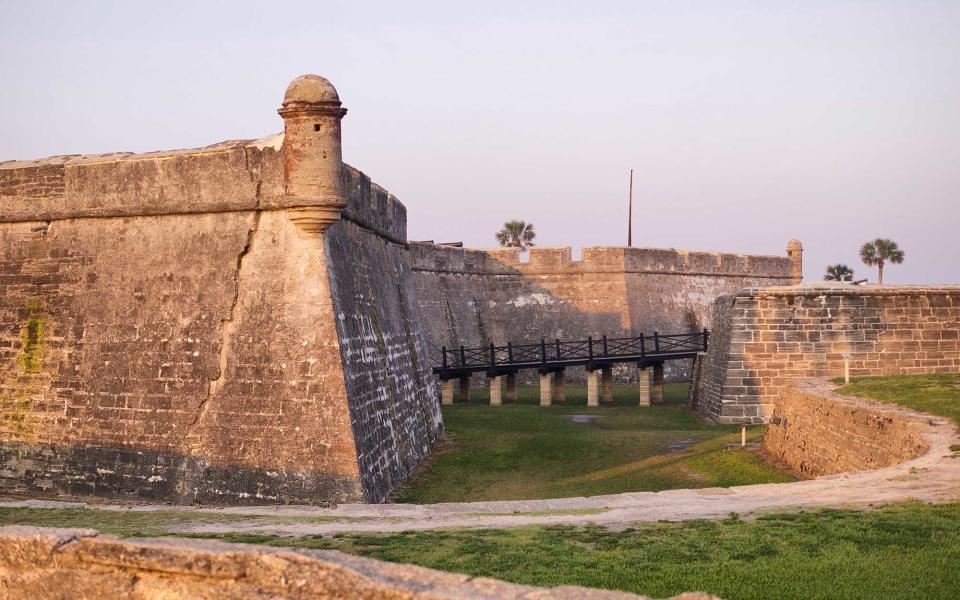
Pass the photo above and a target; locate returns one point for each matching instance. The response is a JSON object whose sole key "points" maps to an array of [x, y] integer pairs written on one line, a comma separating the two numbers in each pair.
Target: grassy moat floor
{"points": [[523, 451]]}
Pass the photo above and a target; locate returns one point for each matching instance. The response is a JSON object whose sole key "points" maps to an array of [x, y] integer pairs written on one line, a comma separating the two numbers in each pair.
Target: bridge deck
{"points": [[557, 355]]}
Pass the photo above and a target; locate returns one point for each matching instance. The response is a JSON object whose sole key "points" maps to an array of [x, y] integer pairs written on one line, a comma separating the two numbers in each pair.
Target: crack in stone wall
{"points": [[226, 330], [198, 352]]}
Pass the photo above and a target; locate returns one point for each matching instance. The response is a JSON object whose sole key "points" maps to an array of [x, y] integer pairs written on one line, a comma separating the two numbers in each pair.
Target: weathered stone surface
{"points": [[217, 178], [169, 331], [394, 401], [478, 297], [816, 432], [55, 564], [763, 340]]}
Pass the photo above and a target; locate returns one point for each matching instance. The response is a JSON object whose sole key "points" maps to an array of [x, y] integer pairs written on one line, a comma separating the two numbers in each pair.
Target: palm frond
{"points": [[516, 233]]}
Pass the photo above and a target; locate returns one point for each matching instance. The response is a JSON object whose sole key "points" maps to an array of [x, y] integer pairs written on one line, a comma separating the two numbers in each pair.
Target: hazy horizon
{"points": [[746, 124]]}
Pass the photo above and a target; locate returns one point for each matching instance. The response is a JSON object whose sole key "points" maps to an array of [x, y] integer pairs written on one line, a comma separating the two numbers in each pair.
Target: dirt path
{"points": [[933, 477]]}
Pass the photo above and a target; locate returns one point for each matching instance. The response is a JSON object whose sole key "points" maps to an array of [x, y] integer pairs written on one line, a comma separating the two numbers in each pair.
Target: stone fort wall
{"points": [[763, 340], [814, 432], [478, 297], [176, 326]]}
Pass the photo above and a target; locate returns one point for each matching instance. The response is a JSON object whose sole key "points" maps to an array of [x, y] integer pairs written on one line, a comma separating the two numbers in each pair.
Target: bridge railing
{"points": [[559, 352]]}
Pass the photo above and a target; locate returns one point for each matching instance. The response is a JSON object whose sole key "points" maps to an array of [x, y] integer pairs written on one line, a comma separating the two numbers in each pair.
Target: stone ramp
{"points": [[62, 563]]}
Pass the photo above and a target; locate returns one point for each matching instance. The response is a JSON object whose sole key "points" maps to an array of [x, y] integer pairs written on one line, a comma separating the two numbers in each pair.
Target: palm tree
{"points": [[838, 272], [880, 251], [517, 234]]}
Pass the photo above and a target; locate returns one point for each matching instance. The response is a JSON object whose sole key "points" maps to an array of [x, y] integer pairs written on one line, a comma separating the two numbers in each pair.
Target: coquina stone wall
{"points": [[191, 326], [814, 431], [765, 339], [478, 297]]}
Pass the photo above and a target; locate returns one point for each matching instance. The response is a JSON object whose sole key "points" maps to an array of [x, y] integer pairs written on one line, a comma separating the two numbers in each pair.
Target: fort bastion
{"points": [[231, 324]]}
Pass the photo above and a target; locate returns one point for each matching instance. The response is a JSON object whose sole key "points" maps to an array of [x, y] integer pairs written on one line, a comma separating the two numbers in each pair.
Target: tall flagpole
{"points": [[630, 214]]}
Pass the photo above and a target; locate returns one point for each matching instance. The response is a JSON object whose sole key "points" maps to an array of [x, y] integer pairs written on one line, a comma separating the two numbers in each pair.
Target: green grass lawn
{"points": [[118, 522], [902, 551], [938, 394], [523, 451], [906, 551], [141, 523]]}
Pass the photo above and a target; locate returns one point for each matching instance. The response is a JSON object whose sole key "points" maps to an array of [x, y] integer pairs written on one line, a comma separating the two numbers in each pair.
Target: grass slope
{"points": [[903, 551], [523, 451], [938, 394], [138, 523]]}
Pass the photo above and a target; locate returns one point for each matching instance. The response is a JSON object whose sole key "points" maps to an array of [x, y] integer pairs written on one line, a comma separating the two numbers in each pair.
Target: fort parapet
{"points": [[231, 324]]}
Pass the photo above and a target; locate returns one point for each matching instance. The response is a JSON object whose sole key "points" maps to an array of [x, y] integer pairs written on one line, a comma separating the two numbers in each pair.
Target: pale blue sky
{"points": [[748, 123]]}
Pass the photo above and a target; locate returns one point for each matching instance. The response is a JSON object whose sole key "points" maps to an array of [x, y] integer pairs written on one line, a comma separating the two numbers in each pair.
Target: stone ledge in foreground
{"points": [[42, 563]]}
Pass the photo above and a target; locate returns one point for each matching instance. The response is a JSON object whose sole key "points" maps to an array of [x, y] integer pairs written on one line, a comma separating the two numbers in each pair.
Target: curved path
{"points": [[932, 477]]}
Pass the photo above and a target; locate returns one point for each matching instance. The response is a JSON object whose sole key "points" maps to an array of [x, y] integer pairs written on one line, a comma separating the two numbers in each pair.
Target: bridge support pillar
{"points": [[644, 386], [496, 390], [465, 389], [446, 391], [546, 389], [606, 384], [593, 388], [511, 394], [658, 383], [559, 391]]}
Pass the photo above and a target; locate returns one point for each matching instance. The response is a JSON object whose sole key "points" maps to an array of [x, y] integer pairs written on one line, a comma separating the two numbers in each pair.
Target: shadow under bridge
{"points": [[502, 363]]}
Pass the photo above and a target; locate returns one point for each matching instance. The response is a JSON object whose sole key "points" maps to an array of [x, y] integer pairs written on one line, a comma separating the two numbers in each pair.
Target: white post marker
{"points": [[846, 368], [743, 436]]}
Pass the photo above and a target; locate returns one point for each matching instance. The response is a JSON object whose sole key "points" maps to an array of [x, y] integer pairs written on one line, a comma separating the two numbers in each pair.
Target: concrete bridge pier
{"points": [[606, 384], [546, 389], [496, 390], [511, 393], [658, 383], [446, 391], [593, 388], [559, 391], [644, 386], [465, 389]]}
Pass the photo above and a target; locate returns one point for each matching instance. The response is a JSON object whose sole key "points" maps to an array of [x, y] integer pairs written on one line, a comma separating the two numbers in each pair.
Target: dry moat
{"points": [[525, 451]]}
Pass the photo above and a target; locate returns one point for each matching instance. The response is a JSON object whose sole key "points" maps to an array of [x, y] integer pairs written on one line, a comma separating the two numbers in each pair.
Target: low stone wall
{"points": [[766, 339], [814, 432], [59, 563]]}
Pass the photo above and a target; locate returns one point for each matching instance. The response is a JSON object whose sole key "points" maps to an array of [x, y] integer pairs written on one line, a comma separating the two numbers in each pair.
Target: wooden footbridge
{"points": [[502, 363]]}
